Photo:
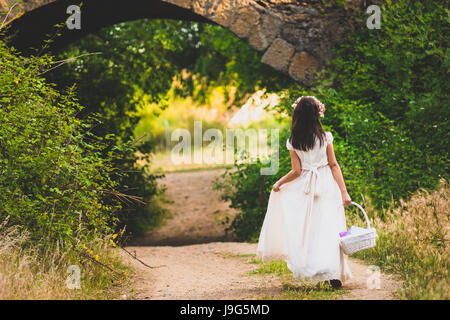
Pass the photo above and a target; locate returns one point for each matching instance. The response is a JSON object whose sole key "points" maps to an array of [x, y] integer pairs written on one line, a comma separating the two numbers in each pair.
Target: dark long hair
{"points": [[306, 126]]}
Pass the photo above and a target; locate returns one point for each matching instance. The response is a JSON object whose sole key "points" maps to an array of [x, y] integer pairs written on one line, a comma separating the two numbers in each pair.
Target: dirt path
{"points": [[193, 264], [198, 214]]}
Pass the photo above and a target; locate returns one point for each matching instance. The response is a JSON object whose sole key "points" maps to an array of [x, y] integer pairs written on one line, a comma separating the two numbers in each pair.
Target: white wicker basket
{"points": [[357, 242]]}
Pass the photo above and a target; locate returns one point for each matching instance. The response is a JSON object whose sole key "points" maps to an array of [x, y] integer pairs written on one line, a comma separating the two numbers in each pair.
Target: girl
{"points": [[305, 212]]}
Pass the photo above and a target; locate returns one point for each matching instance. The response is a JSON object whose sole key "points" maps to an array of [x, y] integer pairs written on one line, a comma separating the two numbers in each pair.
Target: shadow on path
{"points": [[198, 215]]}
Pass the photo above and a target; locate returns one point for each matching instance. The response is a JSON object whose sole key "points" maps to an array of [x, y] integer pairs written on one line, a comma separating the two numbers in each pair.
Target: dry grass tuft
{"points": [[27, 273], [414, 242]]}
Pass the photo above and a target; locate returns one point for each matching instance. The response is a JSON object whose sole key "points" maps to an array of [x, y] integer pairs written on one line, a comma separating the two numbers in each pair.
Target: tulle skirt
{"points": [[303, 228]]}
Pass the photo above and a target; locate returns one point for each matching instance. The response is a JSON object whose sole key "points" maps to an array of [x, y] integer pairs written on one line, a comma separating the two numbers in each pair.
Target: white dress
{"points": [[303, 221]]}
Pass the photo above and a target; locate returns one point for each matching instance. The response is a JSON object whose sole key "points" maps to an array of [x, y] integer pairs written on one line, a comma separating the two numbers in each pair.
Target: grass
{"points": [[291, 289], [28, 273], [413, 242]]}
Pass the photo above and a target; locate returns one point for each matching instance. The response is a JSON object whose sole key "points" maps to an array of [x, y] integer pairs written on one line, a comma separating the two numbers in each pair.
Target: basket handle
{"points": [[365, 214]]}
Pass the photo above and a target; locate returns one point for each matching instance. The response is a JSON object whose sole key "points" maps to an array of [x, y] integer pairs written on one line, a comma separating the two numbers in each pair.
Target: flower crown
{"points": [[319, 104]]}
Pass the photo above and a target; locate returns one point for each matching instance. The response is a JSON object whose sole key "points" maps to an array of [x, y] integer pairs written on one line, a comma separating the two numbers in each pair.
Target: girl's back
{"points": [[315, 156]]}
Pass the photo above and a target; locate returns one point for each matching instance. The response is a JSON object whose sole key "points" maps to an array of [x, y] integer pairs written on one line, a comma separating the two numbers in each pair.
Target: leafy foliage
{"points": [[110, 85], [139, 63], [54, 177], [401, 71]]}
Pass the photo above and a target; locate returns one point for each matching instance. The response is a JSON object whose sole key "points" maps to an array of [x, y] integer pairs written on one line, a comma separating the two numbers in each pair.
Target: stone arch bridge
{"points": [[294, 37]]}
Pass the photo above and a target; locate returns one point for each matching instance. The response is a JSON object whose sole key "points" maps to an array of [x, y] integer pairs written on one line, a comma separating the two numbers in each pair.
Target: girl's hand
{"points": [[276, 186], [346, 200]]}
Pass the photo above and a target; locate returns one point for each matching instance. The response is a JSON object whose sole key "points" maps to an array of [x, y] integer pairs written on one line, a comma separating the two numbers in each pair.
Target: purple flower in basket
{"points": [[343, 234]]}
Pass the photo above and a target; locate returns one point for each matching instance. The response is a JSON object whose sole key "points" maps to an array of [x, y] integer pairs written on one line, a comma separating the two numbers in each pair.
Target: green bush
{"points": [[401, 71], [55, 180]]}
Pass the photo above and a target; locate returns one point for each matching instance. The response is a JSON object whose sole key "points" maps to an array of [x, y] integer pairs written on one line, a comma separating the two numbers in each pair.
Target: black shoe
{"points": [[336, 284]]}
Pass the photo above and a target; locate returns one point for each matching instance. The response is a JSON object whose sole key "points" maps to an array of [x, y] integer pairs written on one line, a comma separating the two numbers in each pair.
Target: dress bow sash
{"points": [[313, 179], [312, 189]]}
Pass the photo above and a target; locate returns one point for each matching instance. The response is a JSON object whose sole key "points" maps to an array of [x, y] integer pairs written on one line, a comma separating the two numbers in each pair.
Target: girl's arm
{"points": [[337, 174], [291, 175]]}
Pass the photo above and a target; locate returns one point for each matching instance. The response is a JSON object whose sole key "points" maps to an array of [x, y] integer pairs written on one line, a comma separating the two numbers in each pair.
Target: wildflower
{"points": [[321, 109], [96, 257], [296, 102]]}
